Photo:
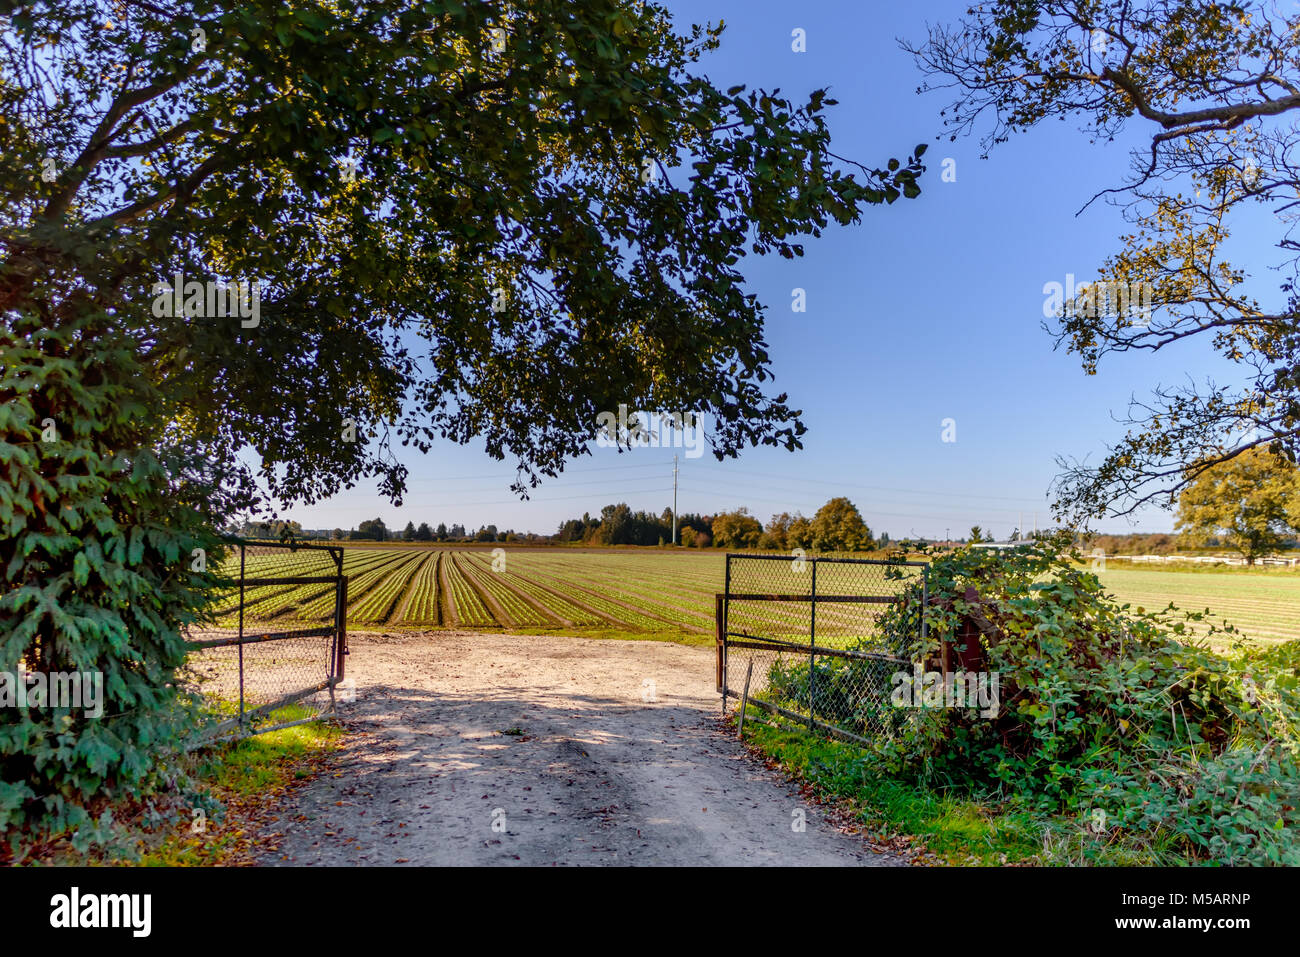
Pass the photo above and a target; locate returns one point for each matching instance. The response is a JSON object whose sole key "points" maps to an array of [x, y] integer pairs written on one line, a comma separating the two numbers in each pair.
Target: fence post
{"points": [[718, 630], [342, 593], [242, 551], [744, 701], [812, 652], [722, 629]]}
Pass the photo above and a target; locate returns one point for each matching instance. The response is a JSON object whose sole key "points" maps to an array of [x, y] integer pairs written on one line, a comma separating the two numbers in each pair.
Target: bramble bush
{"points": [[1108, 711], [97, 536]]}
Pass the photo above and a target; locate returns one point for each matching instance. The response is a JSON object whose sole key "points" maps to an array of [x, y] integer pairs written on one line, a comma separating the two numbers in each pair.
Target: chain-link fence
{"points": [[801, 637], [272, 654]]}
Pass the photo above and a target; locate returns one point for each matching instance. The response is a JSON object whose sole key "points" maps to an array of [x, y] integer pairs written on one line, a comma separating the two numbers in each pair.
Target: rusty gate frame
{"points": [[726, 639], [239, 726]]}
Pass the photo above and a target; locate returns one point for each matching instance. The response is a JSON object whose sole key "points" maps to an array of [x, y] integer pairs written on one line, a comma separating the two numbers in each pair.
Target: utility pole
{"points": [[674, 500]]}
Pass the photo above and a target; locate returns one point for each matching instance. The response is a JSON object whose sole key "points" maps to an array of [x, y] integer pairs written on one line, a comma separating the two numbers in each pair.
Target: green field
{"points": [[1264, 606], [669, 594]]}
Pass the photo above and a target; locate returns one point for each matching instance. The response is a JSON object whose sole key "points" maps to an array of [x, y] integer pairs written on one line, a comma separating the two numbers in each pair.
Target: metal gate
{"points": [[272, 653], [799, 637]]}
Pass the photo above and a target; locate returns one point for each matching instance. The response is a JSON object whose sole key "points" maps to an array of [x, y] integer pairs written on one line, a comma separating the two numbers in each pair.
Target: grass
{"points": [[242, 779], [944, 827], [1203, 568], [1264, 606]]}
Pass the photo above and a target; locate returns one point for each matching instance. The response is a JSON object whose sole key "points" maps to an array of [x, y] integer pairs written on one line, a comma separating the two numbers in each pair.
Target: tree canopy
{"points": [[736, 529], [1251, 501], [471, 221], [838, 526], [1215, 88]]}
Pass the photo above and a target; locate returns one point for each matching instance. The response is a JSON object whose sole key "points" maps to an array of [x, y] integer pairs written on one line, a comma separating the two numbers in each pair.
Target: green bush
{"points": [[97, 538], [1107, 711]]}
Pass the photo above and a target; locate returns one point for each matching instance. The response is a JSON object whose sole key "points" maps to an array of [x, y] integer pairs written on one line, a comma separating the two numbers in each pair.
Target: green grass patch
{"points": [[242, 779], [957, 829], [1202, 568]]}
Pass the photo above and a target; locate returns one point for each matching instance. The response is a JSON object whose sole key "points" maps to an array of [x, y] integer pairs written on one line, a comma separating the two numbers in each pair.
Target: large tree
{"points": [[736, 529], [838, 527], [475, 221], [1252, 502], [1213, 89], [776, 535]]}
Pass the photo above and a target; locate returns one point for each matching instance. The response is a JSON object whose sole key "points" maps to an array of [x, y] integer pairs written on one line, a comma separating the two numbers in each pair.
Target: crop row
{"points": [[470, 610], [267, 601], [422, 607], [667, 606], [562, 608], [519, 611], [379, 602], [320, 605], [597, 600], [649, 591]]}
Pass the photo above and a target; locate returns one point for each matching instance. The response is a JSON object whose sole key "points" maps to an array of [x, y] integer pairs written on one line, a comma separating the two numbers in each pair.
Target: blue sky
{"points": [[929, 309]]}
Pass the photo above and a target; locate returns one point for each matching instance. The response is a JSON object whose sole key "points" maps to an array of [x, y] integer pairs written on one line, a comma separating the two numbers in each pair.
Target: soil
{"points": [[469, 748]]}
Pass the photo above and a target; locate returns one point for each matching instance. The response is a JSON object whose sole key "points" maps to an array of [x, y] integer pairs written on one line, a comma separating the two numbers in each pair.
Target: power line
{"points": [[674, 500], [558, 498], [720, 492], [565, 485], [799, 491], [872, 511], [877, 488], [498, 475], [734, 479]]}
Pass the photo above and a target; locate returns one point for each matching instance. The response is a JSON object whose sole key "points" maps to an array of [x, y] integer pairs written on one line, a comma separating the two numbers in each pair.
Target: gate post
{"points": [[722, 607], [718, 635], [242, 567], [341, 615]]}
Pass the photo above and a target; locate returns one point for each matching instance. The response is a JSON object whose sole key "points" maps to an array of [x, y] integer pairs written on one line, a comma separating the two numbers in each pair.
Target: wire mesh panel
{"points": [[271, 653], [804, 635]]}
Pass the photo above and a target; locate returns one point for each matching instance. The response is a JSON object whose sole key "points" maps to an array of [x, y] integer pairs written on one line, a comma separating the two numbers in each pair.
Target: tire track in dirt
{"points": [[477, 748]]}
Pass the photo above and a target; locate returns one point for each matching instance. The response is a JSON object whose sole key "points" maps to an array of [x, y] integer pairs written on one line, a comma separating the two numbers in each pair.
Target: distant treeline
{"points": [[1163, 543], [374, 530], [837, 526]]}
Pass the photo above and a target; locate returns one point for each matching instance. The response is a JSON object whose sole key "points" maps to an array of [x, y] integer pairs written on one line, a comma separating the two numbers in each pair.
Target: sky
{"points": [[927, 310]]}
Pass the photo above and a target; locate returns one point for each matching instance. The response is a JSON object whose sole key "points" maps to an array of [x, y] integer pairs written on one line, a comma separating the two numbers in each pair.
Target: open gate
{"points": [[273, 653], [799, 637]]}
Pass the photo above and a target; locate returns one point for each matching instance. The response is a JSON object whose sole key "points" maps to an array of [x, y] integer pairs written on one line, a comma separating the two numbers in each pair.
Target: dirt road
{"points": [[497, 749]]}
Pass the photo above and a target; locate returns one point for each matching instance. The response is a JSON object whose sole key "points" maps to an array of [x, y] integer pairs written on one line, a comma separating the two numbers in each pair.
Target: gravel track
{"points": [[483, 749]]}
